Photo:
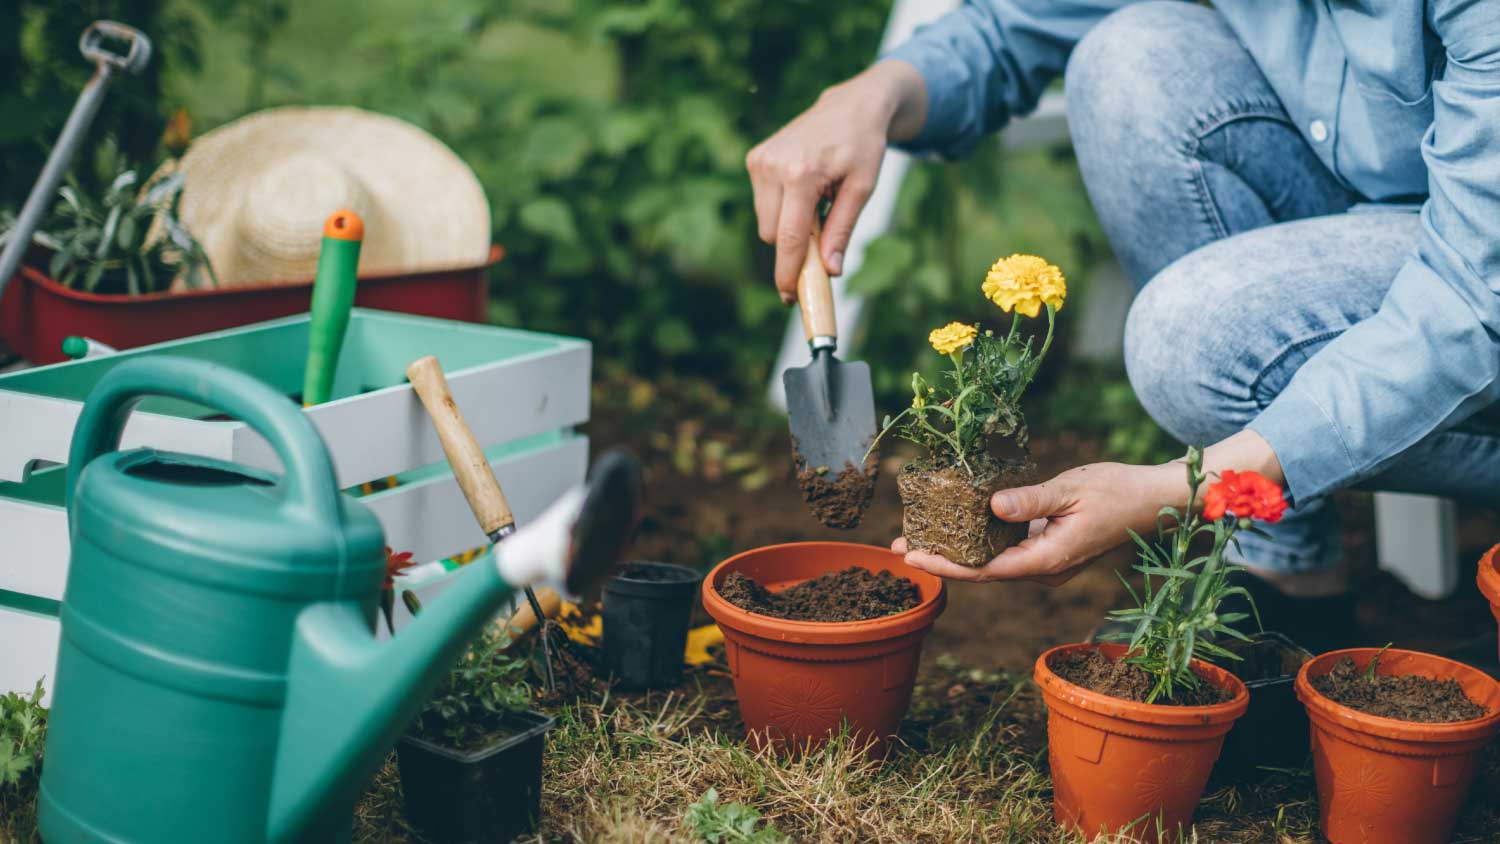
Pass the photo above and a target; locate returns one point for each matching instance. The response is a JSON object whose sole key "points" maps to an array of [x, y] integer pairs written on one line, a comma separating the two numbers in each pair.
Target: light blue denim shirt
{"points": [[1401, 101]]}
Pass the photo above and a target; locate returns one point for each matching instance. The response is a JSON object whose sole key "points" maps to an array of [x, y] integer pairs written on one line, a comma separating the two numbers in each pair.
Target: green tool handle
{"points": [[332, 298]]}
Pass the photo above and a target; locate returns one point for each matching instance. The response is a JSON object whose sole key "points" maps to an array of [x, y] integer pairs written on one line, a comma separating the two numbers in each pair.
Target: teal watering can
{"points": [[219, 679]]}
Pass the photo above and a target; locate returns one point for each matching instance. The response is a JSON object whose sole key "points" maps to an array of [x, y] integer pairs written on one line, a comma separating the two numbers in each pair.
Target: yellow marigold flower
{"points": [[1025, 283], [952, 337], [918, 402]]}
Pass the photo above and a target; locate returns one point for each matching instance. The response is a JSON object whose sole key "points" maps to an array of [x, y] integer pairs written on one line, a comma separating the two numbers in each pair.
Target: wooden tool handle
{"points": [[469, 464], [524, 620], [815, 292]]}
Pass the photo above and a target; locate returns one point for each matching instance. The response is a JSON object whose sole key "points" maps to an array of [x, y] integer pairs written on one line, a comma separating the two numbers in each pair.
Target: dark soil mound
{"points": [[1407, 697], [854, 594], [838, 501], [1095, 672]]}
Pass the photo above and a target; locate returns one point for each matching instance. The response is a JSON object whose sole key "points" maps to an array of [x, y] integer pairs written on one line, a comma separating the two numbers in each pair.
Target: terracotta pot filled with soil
{"points": [[1121, 764], [1395, 752], [1489, 579], [947, 509], [819, 634], [647, 608]]}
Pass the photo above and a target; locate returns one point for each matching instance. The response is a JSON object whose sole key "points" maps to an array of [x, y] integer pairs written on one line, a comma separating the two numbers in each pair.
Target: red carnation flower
{"points": [[1247, 495], [395, 564]]}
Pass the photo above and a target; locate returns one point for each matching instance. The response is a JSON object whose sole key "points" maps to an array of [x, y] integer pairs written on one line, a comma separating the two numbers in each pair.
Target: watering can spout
{"points": [[349, 696]]}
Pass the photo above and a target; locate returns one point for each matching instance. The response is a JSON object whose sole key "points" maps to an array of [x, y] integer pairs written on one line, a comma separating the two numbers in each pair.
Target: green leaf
{"points": [[551, 218]]}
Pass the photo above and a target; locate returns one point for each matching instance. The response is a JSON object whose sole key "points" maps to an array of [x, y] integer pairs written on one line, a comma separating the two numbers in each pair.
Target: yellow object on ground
{"points": [[700, 639]]}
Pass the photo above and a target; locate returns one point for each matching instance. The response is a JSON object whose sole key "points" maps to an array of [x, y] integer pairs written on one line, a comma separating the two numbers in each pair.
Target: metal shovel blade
{"points": [[607, 522], [831, 412]]}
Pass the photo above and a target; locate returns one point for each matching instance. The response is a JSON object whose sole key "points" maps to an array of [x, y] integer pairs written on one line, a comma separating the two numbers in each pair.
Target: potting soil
{"points": [[1406, 697], [838, 501], [947, 509], [854, 594], [1096, 672]]}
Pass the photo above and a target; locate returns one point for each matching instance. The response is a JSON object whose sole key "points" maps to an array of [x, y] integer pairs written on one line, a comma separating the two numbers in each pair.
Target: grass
{"points": [[970, 766]]}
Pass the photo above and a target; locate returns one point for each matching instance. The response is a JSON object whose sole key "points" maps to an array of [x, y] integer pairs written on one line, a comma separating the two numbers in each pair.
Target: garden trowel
{"points": [[471, 468], [830, 408]]}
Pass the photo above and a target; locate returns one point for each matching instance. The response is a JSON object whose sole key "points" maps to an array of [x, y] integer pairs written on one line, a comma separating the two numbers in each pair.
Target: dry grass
{"points": [[970, 767]]}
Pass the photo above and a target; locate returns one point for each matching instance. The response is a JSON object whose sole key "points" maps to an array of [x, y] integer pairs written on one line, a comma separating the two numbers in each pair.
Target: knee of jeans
{"points": [[1172, 357], [1125, 77]]}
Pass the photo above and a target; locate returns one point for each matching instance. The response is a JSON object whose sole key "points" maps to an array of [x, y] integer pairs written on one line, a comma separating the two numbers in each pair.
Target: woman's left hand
{"points": [[1084, 512], [1075, 517]]}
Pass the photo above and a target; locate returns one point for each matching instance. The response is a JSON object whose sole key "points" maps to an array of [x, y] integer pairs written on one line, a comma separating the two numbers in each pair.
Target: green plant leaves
{"points": [[549, 217]]}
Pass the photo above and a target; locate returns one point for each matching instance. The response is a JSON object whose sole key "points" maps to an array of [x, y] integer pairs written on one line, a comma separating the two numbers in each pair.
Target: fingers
{"points": [[847, 204], [899, 546], [767, 205], [799, 202], [1026, 503]]}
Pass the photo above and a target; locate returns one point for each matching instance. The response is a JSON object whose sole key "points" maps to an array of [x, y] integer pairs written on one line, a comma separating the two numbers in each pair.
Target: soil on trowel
{"points": [[1406, 697], [854, 594], [947, 509], [1096, 672], [838, 501]]}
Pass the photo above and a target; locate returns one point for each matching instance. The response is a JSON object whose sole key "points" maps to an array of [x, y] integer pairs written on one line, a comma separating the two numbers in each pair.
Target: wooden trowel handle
{"points": [[469, 464], [815, 294]]}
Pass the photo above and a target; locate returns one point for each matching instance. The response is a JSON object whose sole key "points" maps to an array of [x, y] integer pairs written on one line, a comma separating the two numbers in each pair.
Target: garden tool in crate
{"points": [[219, 678], [475, 477], [93, 45], [830, 409]]}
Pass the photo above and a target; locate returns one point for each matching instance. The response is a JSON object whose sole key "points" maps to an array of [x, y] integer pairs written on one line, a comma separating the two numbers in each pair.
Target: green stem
{"points": [[1015, 323], [1051, 323]]}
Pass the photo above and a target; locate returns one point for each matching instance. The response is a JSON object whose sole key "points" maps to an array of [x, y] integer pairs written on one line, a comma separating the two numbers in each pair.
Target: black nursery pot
{"points": [[486, 796], [647, 608], [1273, 731]]}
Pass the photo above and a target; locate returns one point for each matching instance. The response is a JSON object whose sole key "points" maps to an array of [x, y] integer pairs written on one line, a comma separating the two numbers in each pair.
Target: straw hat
{"points": [[258, 189]]}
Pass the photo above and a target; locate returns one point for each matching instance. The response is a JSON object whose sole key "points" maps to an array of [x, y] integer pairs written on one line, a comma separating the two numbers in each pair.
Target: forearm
{"points": [[1165, 485], [895, 90]]}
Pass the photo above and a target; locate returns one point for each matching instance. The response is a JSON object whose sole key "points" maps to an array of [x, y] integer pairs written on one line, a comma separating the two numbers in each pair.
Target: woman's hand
{"points": [[832, 149], [1084, 512], [1075, 517]]}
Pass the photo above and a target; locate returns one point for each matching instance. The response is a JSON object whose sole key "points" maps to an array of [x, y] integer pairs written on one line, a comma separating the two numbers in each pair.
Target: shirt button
{"points": [[1319, 131]]}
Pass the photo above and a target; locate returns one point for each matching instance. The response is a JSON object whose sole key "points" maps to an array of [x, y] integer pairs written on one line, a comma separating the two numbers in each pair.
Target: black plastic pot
{"points": [[647, 608], [486, 796], [1273, 732]]}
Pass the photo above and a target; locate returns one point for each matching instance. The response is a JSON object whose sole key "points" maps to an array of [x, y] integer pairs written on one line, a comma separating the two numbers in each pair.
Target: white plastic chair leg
{"points": [[1416, 540]]}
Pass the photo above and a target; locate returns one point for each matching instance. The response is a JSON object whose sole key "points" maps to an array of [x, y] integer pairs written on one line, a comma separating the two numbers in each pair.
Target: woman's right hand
{"points": [[832, 149]]}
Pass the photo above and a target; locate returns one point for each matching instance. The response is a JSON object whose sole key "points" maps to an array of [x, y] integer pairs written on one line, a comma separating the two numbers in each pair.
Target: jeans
{"points": [[1248, 254]]}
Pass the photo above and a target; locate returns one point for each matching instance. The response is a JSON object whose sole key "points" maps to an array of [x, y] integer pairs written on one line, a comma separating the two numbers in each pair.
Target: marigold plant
{"points": [[1177, 610], [980, 397]]}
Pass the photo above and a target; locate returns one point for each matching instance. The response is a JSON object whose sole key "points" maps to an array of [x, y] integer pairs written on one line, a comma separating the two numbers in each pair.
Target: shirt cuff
{"points": [[1314, 457], [942, 128]]}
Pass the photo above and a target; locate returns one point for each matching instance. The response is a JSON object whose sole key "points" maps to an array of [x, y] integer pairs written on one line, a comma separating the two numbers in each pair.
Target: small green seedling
{"points": [[728, 823], [1375, 663]]}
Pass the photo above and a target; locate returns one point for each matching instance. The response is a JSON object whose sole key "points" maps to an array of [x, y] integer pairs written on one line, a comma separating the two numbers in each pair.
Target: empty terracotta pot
{"points": [[1384, 781], [1489, 579], [1119, 765], [798, 681]]}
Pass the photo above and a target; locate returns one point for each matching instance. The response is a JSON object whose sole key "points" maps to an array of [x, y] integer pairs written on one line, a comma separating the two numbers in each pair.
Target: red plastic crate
{"points": [[37, 312]]}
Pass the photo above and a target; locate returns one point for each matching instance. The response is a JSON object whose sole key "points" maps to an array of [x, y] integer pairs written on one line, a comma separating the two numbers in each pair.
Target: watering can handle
{"points": [[308, 482]]}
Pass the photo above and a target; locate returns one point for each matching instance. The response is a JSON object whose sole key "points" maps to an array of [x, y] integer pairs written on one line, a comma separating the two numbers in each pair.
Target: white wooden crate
{"points": [[521, 393]]}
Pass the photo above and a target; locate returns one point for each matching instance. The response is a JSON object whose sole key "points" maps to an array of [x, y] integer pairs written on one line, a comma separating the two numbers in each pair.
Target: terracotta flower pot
{"points": [[1384, 781], [1489, 579], [798, 681], [1119, 765]]}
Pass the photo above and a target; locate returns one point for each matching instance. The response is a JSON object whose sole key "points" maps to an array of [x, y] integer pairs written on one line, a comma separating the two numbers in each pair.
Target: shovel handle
{"points": [[470, 466], [815, 296]]}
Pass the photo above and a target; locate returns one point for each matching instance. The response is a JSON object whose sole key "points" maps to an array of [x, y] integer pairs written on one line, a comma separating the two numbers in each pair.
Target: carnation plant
{"points": [[1177, 613], [980, 397]]}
